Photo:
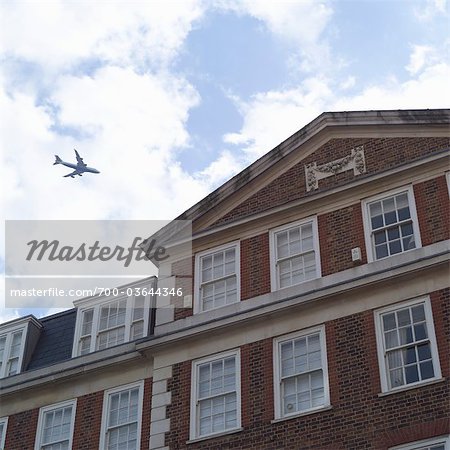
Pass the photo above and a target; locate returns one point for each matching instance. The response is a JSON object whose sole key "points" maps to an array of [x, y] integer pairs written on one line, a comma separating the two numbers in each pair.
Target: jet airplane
{"points": [[80, 167]]}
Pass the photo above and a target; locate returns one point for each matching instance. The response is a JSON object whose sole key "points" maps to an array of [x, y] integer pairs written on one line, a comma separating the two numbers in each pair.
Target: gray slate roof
{"points": [[56, 340]]}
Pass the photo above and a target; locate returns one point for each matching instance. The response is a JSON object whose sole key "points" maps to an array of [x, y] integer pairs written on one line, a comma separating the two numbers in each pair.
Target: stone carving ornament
{"points": [[315, 172]]}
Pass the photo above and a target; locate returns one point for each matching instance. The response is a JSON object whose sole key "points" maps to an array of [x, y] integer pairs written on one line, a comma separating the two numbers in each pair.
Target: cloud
{"points": [[134, 126], [421, 56], [300, 24], [429, 9], [59, 34], [221, 169], [270, 117], [98, 78]]}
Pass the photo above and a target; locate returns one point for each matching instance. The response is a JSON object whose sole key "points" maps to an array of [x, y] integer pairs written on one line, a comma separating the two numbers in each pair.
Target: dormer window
{"points": [[106, 321], [12, 345]]}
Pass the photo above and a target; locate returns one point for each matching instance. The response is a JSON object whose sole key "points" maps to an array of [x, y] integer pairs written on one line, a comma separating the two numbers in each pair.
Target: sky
{"points": [[170, 99]]}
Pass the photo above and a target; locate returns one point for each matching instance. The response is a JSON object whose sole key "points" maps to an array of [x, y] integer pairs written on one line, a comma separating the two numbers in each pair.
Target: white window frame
{"points": [[96, 306], [42, 411], [194, 434], [277, 371], [8, 332], [447, 176], [424, 443], [198, 307], [106, 396], [368, 226], [274, 281], [381, 343], [4, 421]]}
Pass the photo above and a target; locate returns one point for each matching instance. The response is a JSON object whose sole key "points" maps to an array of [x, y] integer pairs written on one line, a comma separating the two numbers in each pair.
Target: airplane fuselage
{"points": [[79, 167]]}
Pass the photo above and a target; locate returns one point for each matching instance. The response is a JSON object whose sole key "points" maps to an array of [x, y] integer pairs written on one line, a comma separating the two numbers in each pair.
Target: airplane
{"points": [[80, 167]]}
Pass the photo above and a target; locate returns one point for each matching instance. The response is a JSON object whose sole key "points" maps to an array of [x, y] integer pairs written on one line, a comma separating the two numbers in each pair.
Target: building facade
{"points": [[316, 313]]}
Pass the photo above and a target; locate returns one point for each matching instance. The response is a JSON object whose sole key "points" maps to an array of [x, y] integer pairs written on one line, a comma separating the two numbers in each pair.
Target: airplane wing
{"points": [[71, 175], [79, 159]]}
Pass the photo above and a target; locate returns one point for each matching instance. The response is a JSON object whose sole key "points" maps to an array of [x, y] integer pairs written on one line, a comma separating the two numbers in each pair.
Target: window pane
{"points": [[302, 383], [381, 251], [86, 327], [418, 313], [411, 360], [420, 331], [2, 347], [424, 352], [16, 344], [389, 322], [137, 330], [396, 377], [303, 392], [138, 311], [56, 428], [379, 237], [376, 217], [387, 237], [216, 395], [426, 370], [395, 247], [412, 374]]}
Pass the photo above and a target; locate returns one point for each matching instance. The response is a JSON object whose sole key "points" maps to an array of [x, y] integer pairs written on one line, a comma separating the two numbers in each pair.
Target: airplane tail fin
{"points": [[58, 160]]}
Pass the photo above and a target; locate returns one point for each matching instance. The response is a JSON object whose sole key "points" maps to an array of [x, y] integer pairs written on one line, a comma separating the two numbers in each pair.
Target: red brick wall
{"points": [[22, 427], [255, 266], [433, 210], [358, 419], [88, 421], [21, 430], [380, 154], [339, 232], [146, 414]]}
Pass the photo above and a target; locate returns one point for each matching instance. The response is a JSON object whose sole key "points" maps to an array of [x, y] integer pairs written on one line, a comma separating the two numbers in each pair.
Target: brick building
{"points": [[317, 315]]}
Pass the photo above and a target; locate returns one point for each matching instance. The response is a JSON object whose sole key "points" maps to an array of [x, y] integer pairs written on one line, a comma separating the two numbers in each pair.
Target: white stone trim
{"points": [[161, 398]]}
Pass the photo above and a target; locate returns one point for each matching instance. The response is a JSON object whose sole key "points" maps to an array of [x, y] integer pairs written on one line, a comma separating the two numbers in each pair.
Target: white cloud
{"points": [[348, 83], [301, 24], [221, 169], [128, 116], [272, 116], [136, 124], [421, 56], [58, 34], [429, 9]]}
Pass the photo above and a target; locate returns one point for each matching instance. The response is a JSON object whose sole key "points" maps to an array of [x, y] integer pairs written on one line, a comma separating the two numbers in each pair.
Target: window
{"points": [[301, 373], [406, 341], [111, 322], [439, 443], [55, 426], [215, 399], [295, 255], [3, 427], [217, 277], [122, 416], [391, 224], [12, 344]]}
